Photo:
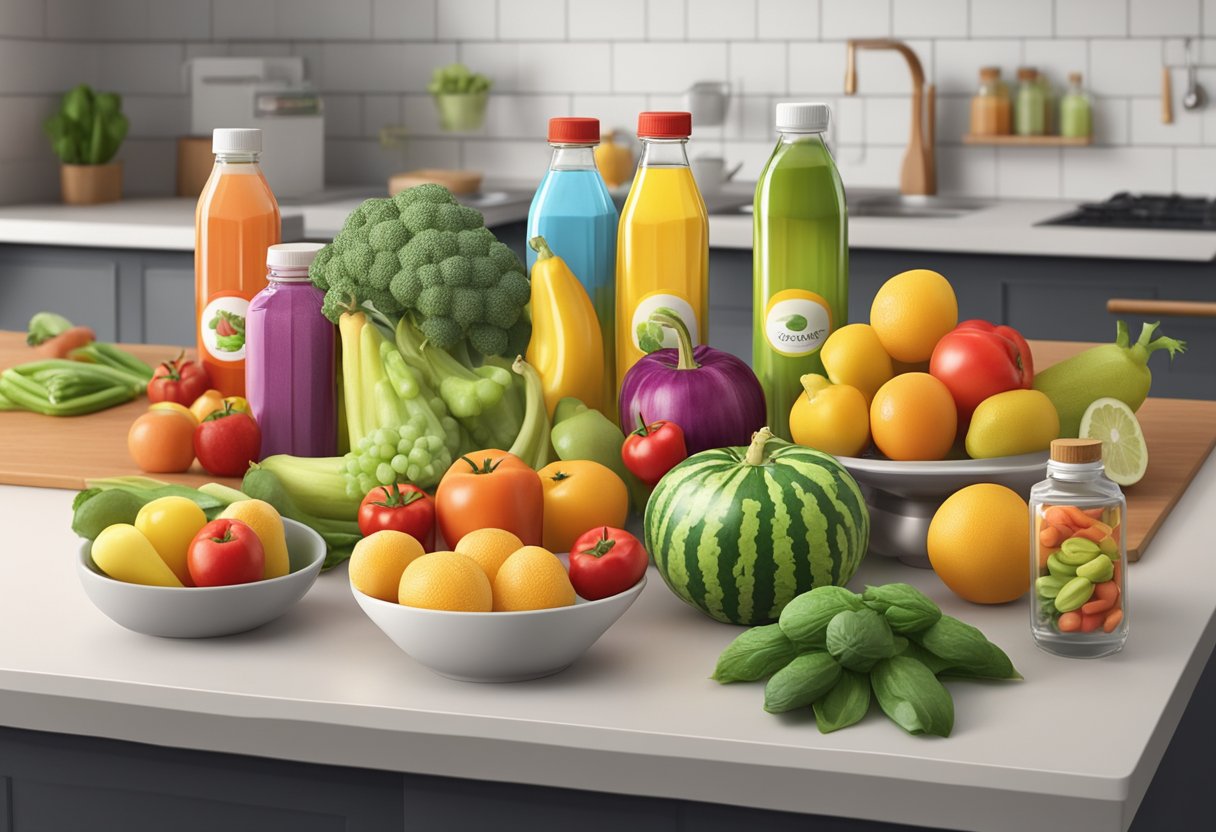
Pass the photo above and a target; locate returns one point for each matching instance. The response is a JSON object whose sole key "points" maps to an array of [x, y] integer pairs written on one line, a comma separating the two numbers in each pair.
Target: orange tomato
{"points": [[579, 495], [490, 489], [913, 416], [162, 441]]}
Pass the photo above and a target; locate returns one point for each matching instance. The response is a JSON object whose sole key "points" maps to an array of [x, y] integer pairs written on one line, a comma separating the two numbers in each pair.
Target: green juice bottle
{"points": [[801, 259]]}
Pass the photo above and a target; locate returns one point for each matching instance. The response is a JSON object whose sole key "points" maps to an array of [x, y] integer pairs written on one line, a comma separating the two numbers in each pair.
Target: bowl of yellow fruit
{"points": [[491, 610], [174, 574]]}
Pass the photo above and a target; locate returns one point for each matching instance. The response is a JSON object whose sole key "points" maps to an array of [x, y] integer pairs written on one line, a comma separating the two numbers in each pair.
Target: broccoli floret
{"points": [[440, 331], [388, 235], [382, 271], [456, 271], [468, 306], [429, 275], [435, 302], [332, 306], [485, 273], [488, 339], [406, 287], [516, 287], [474, 242], [358, 258], [500, 311]]}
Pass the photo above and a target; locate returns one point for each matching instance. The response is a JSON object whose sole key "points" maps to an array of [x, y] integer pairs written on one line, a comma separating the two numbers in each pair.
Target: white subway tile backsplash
{"points": [[467, 19], [566, 67], [21, 118], [750, 117], [379, 111], [1209, 17], [1125, 67], [855, 19], [758, 67], [1028, 172], [884, 71], [888, 121], [665, 20], [531, 19], [953, 118], [1098, 172], [149, 166], [92, 20], [1147, 128], [1086, 18], [1056, 59], [343, 115], [526, 160], [1003, 19], [259, 49], [1172, 17], [497, 61], [1196, 170], [666, 67], [787, 19], [753, 155], [597, 20], [524, 116], [615, 112], [323, 19], [816, 68], [403, 19], [721, 19], [32, 67], [364, 161], [848, 121], [157, 116], [141, 67], [1112, 120], [26, 180], [929, 18], [381, 67], [420, 117], [242, 19], [21, 18], [869, 167], [179, 20], [967, 170], [957, 62]]}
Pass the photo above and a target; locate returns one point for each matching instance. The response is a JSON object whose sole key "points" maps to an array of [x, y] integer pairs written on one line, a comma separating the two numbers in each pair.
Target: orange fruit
{"points": [[911, 312], [853, 355], [532, 579], [913, 416], [445, 581], [979, 544], [379, 559], [489, 547], [174, 406], [162, 441]]}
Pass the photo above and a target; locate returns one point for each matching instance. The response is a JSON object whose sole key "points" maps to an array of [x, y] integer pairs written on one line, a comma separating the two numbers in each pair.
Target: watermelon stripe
{"points": [[816, 525], [783, 548], [710, 550], [744, 569]]}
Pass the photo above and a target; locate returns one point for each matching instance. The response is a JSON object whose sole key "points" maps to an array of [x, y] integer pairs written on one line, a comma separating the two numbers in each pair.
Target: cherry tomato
{"points": [[605, 561], [225, 552], [161, 441], [653, 450], [977, 360], [179, 381], [403, 508], [227, 441]]}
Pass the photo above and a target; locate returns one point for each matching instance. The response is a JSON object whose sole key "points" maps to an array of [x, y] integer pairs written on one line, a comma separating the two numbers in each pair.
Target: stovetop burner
{"points": [[1157, 211]]}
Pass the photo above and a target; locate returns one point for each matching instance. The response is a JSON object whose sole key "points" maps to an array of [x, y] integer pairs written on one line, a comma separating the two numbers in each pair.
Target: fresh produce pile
{"points": [[831, 648], [1077, 553], [186, 420]]}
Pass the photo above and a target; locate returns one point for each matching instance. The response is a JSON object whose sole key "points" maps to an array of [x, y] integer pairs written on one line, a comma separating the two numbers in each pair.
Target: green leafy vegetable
{"points": [[906, 608], [119, 499], [755, 654], [45, 326], [846, 703], [858, 639], [805, 619], [340, 536], [801, 682], [912, 697]]}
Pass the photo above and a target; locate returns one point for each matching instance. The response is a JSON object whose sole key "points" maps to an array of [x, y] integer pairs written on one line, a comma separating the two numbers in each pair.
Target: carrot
{"points": [[65, 342], [1069, 622], [1112, 621], [1089, 623], [1050, 536], [1095, 607], [1095, 513], [1092, 533], [1106, 591], [1056, 516], [1076, 517]]}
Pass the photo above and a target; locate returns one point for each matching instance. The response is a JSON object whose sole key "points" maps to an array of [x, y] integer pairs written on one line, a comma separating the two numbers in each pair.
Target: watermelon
{"points": [[739, 532]]}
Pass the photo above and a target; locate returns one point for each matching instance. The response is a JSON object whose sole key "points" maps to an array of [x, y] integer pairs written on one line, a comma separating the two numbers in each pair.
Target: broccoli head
{"points": [[423, 254]]}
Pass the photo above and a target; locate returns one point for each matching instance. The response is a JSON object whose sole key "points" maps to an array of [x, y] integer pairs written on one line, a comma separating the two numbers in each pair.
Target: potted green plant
{"points": [[85, 134], [460, 96]]}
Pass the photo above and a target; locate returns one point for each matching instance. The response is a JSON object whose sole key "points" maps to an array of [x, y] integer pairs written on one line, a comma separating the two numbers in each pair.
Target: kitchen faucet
{"points": [[918, 175]]}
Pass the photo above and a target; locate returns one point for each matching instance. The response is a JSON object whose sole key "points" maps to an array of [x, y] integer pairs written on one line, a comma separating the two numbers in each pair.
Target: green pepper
{"points": [[579, 432]]}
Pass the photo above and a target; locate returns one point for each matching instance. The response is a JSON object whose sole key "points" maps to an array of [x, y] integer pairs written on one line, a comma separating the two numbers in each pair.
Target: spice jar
{"points": [[990, 106], [1078, 603], [1076, 112], [1030, 112]]}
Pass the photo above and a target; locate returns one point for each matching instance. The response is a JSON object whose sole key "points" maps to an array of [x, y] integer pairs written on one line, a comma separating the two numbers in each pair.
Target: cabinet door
{"points": [[168, 308], [83, 288]]}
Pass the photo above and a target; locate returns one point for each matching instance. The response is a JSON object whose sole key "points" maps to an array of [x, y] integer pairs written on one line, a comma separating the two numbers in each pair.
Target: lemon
{"points": [[1013, 422], [490, 548], [979, 544], [853, 355], [532, 579], [911, 312], [378, 560], [1124, 452], [445, 581], [266, 523]]}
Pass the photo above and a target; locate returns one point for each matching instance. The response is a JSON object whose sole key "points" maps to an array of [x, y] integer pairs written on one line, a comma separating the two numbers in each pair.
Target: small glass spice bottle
{"points": [[1078, 602]]}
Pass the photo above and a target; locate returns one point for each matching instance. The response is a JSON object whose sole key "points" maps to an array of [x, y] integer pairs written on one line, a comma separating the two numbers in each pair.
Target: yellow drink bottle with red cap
{"points": [[662, 254]]}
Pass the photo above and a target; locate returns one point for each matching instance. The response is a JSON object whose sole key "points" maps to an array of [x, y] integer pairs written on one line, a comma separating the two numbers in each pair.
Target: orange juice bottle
{"points": [[662, 253], [236, 221]]}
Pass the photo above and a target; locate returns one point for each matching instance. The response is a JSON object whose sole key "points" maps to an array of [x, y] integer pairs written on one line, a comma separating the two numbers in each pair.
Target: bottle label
{"points": [[223, 327], [797, 322], [658, 300]]}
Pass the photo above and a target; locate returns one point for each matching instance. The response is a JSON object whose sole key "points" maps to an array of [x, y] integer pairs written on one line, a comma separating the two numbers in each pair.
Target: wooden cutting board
{"points": [[64, 452]]}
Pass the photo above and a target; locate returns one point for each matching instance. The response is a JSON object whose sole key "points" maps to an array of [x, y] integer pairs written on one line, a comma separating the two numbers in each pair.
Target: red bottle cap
{"points": [[574, 130], [665, 125]]}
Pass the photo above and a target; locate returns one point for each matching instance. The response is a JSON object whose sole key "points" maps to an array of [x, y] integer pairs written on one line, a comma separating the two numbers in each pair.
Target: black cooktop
{"points": [[1156, 211]]}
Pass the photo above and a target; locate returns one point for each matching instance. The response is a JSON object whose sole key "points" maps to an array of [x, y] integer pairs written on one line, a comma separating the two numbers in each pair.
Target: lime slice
{"points": [[1123, 450]]}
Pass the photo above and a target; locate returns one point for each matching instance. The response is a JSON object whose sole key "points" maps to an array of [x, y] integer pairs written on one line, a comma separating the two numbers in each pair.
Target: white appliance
{"points": [[272, 95]]}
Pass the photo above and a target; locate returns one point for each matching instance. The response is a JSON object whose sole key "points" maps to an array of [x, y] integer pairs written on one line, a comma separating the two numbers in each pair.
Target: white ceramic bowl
{"points": [[498, 646], [203, 612], [903, 496]]}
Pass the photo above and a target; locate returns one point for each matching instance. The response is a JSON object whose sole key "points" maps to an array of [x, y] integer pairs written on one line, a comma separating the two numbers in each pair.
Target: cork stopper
{"points": [[990, 73], [1027, 73], [1074, 78], [1076, 451]]}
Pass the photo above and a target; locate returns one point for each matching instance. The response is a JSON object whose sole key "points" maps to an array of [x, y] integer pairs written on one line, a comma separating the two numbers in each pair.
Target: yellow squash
{"points": [[614, 160], [567, 348]]}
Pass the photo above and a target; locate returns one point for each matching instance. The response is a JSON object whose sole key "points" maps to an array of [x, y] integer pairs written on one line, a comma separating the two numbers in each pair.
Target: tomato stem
{"points": [[395, 499], [489, 466], [602, 546]]}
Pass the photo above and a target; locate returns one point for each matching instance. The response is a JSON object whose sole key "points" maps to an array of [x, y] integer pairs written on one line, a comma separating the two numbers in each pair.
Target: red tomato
{"points": [[977, 360], [403, 508], [224, 328], [653, 450], [225, 552], [227, 441], [606, 561], [178, 381]]}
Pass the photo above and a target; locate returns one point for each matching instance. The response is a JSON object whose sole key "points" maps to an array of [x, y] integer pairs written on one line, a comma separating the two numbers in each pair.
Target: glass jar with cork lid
{"points": [[990, 106], [1078, 601]]}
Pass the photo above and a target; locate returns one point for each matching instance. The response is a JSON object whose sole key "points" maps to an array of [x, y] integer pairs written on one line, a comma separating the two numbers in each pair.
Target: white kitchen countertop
{"points": [[1074, 746]]}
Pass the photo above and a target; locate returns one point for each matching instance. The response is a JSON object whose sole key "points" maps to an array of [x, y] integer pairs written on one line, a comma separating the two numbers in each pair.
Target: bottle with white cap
{"points": [[237, 219], [800, 259], [289, 358]]}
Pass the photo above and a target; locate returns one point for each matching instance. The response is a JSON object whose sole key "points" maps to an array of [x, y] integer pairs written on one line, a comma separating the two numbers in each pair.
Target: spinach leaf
{"points": [[801, 682], [805, 619], [912, 697], [846, 703], [757, 653], [907, 609], [859, 639]]}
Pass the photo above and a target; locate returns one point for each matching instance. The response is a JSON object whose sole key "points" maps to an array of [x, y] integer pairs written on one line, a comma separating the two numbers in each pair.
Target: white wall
{"points": [[612, 58]]}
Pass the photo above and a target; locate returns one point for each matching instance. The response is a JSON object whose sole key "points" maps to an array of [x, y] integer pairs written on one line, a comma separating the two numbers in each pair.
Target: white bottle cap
{"points": [[236, 140], [802, 117], [292, 255]]}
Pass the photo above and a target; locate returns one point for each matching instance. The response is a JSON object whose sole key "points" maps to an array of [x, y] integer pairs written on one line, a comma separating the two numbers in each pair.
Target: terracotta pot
{"points": [[90, 184]]}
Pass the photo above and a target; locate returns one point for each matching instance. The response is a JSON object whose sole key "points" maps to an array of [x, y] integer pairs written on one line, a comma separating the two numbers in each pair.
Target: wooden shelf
{"points": [[1029, 141]]}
